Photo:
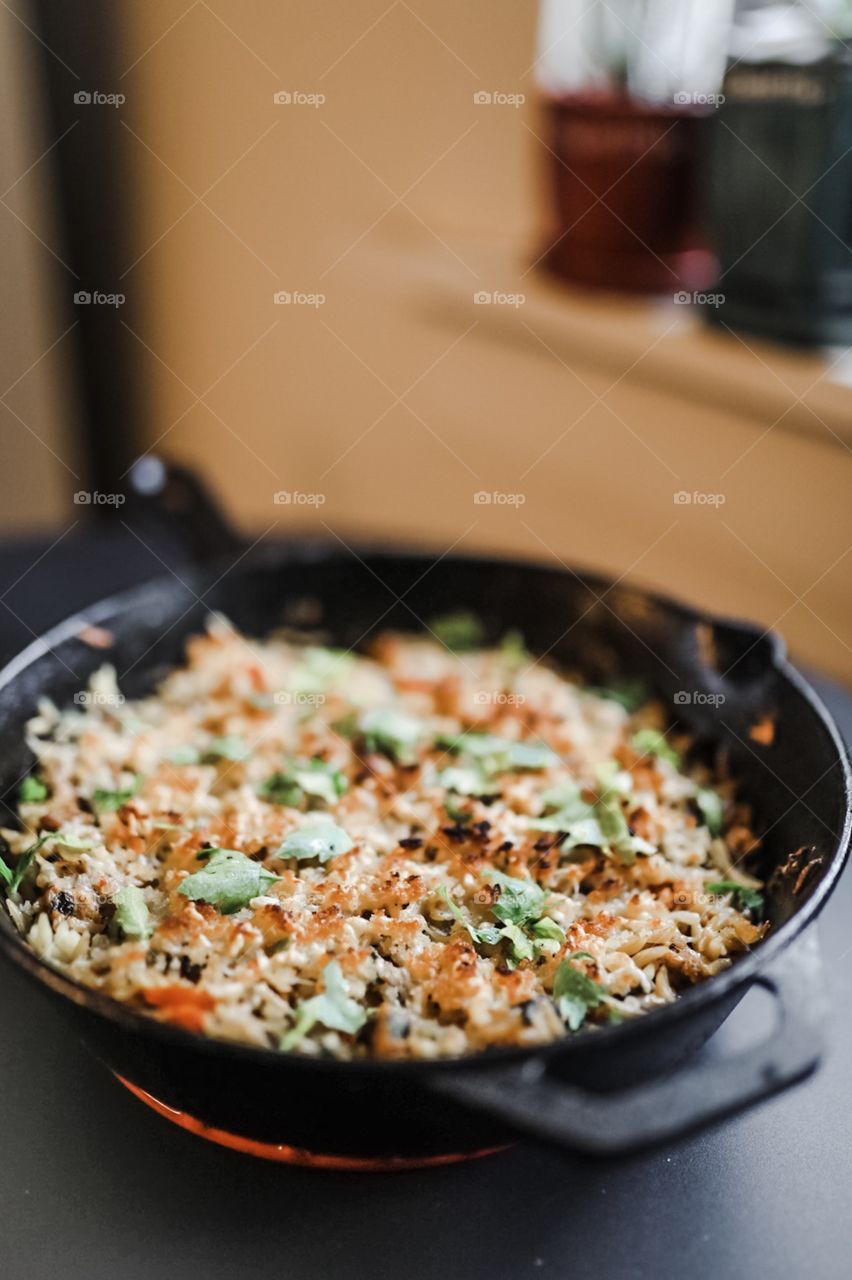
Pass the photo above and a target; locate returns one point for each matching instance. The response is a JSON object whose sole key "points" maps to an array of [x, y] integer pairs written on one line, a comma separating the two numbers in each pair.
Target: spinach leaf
{"points": [[318, 836], [333, 1008], [184, 755], [131, 912], [228, 881], [32, 790], [104, 801], [575, 993]]}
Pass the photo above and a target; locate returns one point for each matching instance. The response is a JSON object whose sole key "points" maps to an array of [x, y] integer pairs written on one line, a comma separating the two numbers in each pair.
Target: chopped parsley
{"points": [[711, 809], [318, 836], [391, 733], [575, 993], [231, 747], [12, 877], [131, 912], [459, 631], [228, 881], [499, 755], [104, 801], [313, 778], [32, 791], [649, 742], [746, 899], [318, 668], [629, 694], [334, 1008]]}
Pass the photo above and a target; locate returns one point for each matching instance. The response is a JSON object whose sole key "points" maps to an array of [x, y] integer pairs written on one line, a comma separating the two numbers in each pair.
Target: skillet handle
{"points": [[691, 1097], [173, 497]]}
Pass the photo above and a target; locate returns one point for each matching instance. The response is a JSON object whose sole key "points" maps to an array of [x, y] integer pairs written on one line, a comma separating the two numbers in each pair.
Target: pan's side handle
{"points": [[699, 1092], [174, 498]]}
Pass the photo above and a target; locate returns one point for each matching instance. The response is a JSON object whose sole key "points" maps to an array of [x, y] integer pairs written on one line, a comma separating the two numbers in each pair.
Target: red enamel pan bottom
{"points": [[296, 1155]]}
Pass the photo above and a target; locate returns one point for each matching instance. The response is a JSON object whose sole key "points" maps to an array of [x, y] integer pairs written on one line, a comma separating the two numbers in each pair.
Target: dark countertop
{"points": [[94, 1184]]}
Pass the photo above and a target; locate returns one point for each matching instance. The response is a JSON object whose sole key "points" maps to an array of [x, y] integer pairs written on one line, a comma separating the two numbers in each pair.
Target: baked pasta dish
{"points": [[426, 850]]}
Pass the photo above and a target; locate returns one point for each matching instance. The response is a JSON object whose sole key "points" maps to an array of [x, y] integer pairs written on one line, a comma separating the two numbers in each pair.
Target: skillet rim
{"points": [[741, 973]]}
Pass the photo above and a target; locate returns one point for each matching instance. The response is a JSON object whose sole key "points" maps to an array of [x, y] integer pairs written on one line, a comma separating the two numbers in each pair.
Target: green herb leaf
{"points": [[648, 742], [513, 649], [391, 733], [73, 842], [14, 876], [334, 1009], [32, 791], [231, 747], [131, 912], [316, 778], [489, 934], [575, 993], [228, 881], [108, 801], [532, 755], [711, 808], [547, 928], [499, 755], [459, 631], [629, 694], [184, 755], [746, 899], [318, 668], [461, 817], [520, 946], [318, 836], [464, 781], [520, 900]]}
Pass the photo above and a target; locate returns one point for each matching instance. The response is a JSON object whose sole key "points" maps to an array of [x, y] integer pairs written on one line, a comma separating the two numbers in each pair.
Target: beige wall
{"points": [[39, 456], [590, 409]]}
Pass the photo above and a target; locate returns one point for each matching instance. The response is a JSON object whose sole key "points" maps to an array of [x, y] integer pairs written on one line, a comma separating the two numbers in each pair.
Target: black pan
{"points": [[604, 1090]]}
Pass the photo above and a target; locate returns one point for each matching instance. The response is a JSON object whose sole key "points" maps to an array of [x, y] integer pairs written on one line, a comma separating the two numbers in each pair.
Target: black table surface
{"points": [[94, 1184]]}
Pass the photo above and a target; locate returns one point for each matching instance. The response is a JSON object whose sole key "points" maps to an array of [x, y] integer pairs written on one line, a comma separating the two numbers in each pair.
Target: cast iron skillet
{"points": [[605, 1090]]}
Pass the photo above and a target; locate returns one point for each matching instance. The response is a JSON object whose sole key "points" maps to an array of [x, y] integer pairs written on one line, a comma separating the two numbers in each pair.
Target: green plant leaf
{"points": [[13, 876], [32, 790], [231, 747], [317, 836], [629, 694], [459, 631], [649, 742], [334, 1008], [391, 733], [711, 807], [228, 881], [131, 912], [520, 901], [746, 899], [575, 993], [316, 778], [104, 801], [184, 755]]}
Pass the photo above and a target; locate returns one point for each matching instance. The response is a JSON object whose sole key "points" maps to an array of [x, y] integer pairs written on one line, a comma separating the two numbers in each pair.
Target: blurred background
{"points": [[570, 281]]}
